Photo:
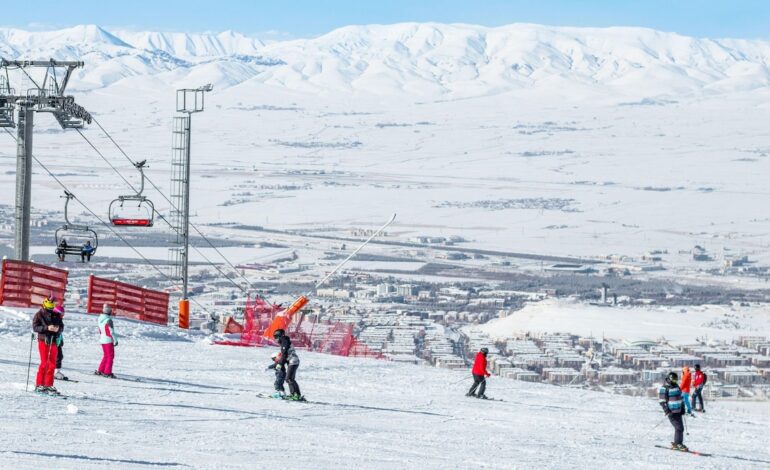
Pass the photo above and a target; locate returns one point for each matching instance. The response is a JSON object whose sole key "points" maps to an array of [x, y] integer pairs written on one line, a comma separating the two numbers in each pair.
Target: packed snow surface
{"points": [[185, 403], [678, 324]]}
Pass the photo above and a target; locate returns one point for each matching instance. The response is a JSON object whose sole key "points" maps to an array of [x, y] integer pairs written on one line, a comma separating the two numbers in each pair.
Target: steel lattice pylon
{"points": [[41, 86], [188, 101]]}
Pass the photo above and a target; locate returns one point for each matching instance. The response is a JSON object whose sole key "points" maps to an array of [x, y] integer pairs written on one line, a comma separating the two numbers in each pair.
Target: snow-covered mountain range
{"points": [[416, 59]]}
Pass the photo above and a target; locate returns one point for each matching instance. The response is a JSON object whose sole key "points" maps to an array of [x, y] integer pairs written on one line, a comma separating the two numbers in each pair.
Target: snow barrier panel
{"points": [[26, 284], [127, 300]]}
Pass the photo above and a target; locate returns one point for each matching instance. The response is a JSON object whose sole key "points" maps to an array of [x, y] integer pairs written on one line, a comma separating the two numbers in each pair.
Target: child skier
{"points": [[108, 341], [59, 344], [480, 373], [48, 325], [290, 361], [698, 381], [670, 398], [280, 376], [685, 387]]}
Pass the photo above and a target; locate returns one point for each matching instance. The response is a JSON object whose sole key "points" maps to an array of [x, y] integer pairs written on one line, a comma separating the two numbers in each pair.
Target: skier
{"points": [[86, 252], [670, 398], [698, 381], [280, 376], [290, 361], [108, 341], [684, 386], [48, 326], [480, 373], [59, 345]]}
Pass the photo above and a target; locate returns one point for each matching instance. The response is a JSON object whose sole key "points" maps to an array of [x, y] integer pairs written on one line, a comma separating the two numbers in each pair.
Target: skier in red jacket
{"points": [[698, 381], [480, 373]]}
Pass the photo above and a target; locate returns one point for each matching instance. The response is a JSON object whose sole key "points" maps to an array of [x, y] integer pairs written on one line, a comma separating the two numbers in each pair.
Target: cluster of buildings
{"points": [[739, 369]]}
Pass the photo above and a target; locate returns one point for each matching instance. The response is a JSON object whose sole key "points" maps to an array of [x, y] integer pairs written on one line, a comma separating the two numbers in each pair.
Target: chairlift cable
{"points": [[162, 217], [120, 237], [96, 121]]}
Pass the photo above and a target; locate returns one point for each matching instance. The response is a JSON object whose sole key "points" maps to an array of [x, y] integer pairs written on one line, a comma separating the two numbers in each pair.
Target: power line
{"points": [[157, 212], [109, 136], [99, 218]]}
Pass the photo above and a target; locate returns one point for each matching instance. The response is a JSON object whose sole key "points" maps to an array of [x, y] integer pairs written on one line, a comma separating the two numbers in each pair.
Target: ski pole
{"points": [[684, 424], [29, 363], [461, 380], [651, 429]]}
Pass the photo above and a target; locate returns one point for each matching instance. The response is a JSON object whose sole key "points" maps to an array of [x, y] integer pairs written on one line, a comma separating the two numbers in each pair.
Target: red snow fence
{"points": [[323, 336], [127, 300], [26, 284]]}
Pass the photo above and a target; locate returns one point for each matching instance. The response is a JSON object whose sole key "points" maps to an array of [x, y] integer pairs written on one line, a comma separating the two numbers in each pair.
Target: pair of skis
{"points": [[271, 397], [689, 451]]}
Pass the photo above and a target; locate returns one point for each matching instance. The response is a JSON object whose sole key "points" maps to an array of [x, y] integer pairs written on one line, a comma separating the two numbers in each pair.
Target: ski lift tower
{"points": [[188, 102], [41, 85]]}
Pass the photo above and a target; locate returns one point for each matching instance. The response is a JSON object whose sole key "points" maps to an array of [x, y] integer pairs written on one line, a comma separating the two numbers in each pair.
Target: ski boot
{"points": [[108, 376], [51, 391], [40, 389], [295, 397], [60, 376], [679, 447], [96, 372], [278, 394], [483, 397], [469, 394]]}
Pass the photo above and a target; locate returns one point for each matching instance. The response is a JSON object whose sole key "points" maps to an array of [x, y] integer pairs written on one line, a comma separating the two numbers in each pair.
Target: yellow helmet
{"points": [[48, 304]]}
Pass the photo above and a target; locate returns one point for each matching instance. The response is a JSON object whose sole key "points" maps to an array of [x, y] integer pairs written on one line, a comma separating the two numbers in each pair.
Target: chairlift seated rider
{"points": [[86, 251], [61, 249]]}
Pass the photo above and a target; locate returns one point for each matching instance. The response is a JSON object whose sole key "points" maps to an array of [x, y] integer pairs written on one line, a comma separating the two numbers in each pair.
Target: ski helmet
{"points": [[48, 303], [279, 333], [275, 355], [672, 377], [484, 351]]}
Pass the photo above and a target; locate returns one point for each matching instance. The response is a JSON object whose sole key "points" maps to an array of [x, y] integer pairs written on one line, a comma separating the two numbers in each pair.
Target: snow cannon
{"points": [[282, 320]]}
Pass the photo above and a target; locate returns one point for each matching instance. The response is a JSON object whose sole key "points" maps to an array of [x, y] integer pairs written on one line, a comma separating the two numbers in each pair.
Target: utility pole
{"points": [[188, 102], [41, 89]]}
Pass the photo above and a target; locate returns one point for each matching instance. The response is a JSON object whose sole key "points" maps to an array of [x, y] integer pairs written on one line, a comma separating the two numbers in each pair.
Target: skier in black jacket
{"points": [[289, 361], [48, 325], [672, 402]]}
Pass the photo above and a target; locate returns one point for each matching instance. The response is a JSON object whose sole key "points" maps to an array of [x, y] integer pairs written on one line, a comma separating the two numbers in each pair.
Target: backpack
{"points": [[705, 378]]}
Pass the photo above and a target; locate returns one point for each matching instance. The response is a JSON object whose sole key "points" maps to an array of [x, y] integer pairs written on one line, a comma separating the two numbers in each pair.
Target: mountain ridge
{"points": [[414, 59]]}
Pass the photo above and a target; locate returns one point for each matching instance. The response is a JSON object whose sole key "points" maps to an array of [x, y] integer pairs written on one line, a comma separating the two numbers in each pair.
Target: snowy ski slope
{"points": [[193, 405]]}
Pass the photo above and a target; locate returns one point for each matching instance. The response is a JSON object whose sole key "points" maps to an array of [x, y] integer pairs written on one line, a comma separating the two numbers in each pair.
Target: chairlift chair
{"points": [[134, 210], [75, 235]]}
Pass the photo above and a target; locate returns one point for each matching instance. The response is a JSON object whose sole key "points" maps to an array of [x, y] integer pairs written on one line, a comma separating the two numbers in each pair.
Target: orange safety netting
{"points": [[335, 338]]}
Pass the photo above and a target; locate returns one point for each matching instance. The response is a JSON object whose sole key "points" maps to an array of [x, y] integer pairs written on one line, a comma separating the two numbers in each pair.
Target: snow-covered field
{"points": [[677, 324], [193, 405], [618, 141]]}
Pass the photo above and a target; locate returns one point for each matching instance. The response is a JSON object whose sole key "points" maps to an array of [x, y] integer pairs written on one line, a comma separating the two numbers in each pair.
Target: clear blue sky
{"points": [[304, 18]]}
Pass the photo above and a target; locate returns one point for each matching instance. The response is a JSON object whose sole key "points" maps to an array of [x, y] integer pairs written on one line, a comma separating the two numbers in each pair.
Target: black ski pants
{"points": [[676, 421], [480, 383], [697, 395], [291, 374], [280, 376], [60, 357]]}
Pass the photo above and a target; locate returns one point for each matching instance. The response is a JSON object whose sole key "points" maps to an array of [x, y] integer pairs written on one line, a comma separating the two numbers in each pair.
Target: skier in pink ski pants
{"points": [[108, 341]]}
